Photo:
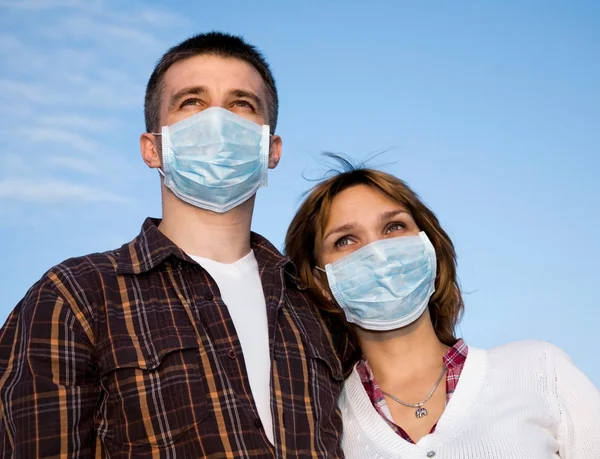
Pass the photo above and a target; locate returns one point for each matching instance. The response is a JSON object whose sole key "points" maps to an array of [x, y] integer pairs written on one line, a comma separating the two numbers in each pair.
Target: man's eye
{"points": [[244, 104], [191, 102]]}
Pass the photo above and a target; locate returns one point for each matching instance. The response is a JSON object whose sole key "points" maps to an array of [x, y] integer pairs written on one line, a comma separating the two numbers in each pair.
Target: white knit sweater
{"points": [[525, 400]]}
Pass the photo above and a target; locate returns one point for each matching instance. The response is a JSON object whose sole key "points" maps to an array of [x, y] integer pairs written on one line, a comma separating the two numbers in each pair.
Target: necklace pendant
{"points": [[421, 412]]}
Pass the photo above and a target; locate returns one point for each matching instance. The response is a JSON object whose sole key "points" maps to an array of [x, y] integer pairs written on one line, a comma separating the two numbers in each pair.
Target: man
{"points": [[193, 339]]}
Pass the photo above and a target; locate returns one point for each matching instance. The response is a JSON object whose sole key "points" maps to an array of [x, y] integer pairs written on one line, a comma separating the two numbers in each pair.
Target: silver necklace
{"points": [[420, 410]]}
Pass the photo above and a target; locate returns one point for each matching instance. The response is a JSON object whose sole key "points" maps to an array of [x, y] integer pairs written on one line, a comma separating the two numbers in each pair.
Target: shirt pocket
{"points": [[155, 392], [326, 383]]}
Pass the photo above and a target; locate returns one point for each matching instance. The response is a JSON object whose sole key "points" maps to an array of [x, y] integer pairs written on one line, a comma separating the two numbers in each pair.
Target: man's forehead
{"points": [[213, 72]]}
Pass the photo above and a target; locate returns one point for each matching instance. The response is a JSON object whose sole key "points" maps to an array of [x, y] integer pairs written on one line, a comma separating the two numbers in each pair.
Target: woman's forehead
{"points": [[360, 200]]}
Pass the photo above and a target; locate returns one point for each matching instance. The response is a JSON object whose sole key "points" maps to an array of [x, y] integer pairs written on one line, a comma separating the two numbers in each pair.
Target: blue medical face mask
{"points": [[386, 284], [215, 159]]}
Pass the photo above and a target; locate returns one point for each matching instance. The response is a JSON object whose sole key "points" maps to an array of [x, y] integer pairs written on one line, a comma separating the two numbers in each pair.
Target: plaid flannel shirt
{"points": [[133, 353]]}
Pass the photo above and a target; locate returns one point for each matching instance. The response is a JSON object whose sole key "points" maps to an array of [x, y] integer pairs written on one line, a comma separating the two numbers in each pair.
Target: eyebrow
{"points": [[249, 95], [350, 226], [393, 213], [341, 229], [189, 91]]}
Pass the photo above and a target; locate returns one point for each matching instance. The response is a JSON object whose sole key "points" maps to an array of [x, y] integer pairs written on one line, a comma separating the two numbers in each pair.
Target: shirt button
{"points": [[257, 423], [431, 454], [208, 296], [232, 354]]}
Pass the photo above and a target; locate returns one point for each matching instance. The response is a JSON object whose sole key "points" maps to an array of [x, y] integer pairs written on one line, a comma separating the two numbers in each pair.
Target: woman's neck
{"points": [[400, 355]]}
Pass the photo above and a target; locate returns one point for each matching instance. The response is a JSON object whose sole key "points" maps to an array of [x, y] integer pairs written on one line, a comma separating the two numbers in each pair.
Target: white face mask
{"points": [[386, 284], [215, 159]]}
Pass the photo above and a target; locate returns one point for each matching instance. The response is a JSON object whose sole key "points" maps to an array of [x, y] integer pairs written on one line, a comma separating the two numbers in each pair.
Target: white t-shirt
{"points": [[242, 292], [524, 400]]}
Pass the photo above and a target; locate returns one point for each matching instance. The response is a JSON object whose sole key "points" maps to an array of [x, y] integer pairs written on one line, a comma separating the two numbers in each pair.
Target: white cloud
{"points": [[76, 164], [75, 85], [102, 30], [74, 141], [47, 140], [72, 121], [30, 92], [13, 164], [9, 43], [119, 32], [99, 31], [77, 91], [161, 18], [55, 191], [45, 4]]}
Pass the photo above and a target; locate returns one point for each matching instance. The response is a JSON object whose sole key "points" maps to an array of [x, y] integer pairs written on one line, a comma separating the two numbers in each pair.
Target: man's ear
{"points": [[274, 151], [151, 151]]}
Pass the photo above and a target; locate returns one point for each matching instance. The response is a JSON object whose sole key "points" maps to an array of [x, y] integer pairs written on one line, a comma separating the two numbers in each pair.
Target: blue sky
{"points": [[490, 110]]}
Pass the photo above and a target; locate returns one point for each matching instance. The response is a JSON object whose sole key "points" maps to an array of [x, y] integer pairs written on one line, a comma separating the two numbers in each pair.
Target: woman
{"points": [[369, 249]]}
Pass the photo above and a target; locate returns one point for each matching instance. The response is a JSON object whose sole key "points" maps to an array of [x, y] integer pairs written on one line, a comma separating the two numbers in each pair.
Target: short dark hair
{"points": [[212, 43]]}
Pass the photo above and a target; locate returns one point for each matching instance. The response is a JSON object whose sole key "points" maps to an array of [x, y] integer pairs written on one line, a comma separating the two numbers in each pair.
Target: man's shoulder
{"points": [[78, 282], [81, 276], [108, 264], [90, 265]]}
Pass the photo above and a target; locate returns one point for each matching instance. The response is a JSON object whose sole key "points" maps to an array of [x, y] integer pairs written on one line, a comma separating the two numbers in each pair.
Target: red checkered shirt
{"points": [[454, 360]]}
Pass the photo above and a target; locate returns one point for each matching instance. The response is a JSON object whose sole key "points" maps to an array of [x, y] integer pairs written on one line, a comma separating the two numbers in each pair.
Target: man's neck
{"points": [[221, 237]]}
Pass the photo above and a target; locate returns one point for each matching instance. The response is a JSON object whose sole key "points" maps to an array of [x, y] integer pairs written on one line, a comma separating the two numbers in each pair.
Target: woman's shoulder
{"points": [[530, 356], [526, 347]]}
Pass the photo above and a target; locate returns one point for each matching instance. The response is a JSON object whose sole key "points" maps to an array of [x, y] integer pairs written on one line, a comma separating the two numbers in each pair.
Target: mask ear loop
{"points": [[160, 171], [324, 286], [265, 153]]}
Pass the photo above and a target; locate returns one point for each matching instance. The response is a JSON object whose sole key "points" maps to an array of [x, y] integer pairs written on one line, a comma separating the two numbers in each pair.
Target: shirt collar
{"points": [[151, 248], [456, 355]]}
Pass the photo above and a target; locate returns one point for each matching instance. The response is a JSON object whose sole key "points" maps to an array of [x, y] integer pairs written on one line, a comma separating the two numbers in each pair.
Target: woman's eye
{"points": [[342, 242], [395, 227]]}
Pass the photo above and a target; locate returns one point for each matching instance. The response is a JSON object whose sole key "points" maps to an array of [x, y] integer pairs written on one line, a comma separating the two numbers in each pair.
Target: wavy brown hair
{"points": [[302, 242]]}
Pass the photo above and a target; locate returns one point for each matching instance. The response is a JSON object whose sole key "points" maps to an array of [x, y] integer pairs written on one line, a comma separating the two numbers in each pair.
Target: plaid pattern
{"points": [[132, 353], [454, 360]]}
